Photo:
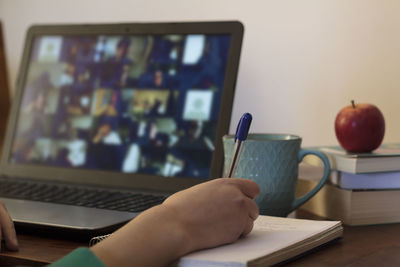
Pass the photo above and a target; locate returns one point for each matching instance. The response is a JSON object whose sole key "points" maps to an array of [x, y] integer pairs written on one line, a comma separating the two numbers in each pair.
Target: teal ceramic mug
{"points": [[272, 161]]}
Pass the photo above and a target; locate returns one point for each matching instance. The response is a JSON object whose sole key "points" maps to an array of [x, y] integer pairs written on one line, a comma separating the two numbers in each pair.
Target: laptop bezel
{"points": [[126, 180]]}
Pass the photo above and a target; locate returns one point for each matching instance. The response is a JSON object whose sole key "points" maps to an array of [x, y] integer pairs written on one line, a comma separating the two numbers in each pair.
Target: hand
{"points": [[217, 212], [206, 215], [7, 231]]}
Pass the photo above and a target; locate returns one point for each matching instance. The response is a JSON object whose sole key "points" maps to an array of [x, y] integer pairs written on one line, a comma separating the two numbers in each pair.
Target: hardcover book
{"points": [[353, 207], [376, 180], [346, 180], [385, 158]]}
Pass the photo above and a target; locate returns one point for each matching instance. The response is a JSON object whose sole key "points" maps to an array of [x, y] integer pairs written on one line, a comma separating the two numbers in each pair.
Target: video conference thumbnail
{"points": [[146, 104]]}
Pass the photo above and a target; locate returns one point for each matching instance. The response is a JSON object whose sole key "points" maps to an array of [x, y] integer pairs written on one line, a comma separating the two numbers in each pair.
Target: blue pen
{"points": [[242, 130]]}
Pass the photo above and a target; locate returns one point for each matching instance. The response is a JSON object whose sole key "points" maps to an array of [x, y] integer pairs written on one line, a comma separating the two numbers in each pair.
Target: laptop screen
{"points": [[123, 105], [130, 103]]}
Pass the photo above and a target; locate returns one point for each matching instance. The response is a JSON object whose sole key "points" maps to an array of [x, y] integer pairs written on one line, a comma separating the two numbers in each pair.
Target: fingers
{"points": [[248, 214], [252, 209], [253, 212], [250, 190], [7, 229], [248, 187], [248, 227]]}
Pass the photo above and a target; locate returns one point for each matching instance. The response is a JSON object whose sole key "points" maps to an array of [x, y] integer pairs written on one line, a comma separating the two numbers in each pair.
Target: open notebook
{"points": [[273, 240]]}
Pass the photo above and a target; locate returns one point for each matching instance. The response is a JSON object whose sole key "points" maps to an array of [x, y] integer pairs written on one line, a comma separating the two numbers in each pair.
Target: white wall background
{"points": [[301, 62]]}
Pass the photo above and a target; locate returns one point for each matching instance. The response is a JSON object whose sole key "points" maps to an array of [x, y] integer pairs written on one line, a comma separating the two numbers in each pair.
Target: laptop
{"points": [[108, 120]]}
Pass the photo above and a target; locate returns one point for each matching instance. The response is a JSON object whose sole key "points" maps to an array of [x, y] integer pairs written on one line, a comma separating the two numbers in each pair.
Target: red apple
{"points": [[360, 127]]}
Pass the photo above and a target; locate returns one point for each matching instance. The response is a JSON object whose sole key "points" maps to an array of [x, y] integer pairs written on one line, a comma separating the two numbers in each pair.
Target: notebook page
{"points": [[270, 234]]}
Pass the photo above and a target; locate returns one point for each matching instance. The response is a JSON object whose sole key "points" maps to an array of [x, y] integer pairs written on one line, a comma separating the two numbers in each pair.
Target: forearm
{"points": [[146, 242], [207, 215]]}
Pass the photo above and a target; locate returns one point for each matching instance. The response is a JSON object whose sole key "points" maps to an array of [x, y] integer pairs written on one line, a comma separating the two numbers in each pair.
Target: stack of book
{"points": [[362, 189]]}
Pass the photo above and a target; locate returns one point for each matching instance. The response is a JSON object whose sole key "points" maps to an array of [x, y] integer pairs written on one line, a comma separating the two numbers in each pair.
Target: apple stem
{"points": [[352, 103]]}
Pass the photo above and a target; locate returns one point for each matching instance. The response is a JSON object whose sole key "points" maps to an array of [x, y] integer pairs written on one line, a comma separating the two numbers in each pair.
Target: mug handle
{"points": [[303, 152]]}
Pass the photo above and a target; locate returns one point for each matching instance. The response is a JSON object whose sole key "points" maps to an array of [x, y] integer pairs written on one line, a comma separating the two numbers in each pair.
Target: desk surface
{"points": [[376, 245], [37, 251]]}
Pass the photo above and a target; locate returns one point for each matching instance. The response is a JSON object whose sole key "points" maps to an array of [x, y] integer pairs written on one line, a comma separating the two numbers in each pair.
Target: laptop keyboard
{"points": [[87, 197]]}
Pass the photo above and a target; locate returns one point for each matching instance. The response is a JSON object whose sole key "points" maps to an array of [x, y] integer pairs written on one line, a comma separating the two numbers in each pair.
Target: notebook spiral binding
{"points": [[94, 240]]}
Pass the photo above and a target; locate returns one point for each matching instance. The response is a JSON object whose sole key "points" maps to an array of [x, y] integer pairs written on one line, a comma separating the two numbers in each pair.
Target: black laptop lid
{"points": [[133, 105]]}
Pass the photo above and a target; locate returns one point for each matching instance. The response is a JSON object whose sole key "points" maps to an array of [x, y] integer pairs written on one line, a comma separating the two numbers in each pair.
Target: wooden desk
{"points": [[377, 245], [38, 251], [373, 245]]}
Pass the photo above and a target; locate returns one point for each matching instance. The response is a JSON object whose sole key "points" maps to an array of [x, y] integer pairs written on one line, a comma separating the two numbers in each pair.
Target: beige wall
{"points": [[301, 60]]}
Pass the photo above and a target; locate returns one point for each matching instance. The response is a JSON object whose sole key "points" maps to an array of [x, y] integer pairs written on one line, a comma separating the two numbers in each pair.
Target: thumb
{"points": [[248, 187]]}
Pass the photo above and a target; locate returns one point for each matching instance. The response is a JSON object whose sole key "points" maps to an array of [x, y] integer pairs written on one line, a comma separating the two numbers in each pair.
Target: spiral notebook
{"points": [[273, 240]]}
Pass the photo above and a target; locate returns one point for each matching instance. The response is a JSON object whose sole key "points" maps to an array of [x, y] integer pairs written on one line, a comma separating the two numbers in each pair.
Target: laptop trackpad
{"points": [[65, 216]]}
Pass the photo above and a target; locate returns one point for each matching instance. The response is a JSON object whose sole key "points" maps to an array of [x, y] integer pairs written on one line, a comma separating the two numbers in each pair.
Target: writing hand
{"points": [[206, 215]]}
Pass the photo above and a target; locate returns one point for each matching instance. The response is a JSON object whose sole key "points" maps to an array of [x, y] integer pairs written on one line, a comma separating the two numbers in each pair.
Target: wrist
{"points": [[154, 232], [173, 229]]}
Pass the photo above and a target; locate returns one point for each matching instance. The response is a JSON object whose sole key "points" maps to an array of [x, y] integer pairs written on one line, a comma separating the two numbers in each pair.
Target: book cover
{"points": [[385, 158], [346, 180], [385, 150], [273, 240]]}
